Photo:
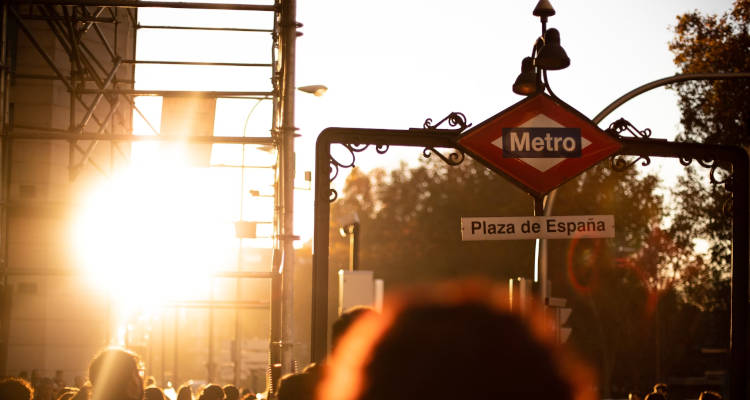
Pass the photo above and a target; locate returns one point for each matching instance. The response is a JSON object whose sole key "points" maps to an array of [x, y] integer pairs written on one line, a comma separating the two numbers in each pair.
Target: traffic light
{"points": [[561, 314]]}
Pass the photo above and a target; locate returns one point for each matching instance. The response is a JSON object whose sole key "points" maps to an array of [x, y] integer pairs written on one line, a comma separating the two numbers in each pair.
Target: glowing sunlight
{"points": [[154, 235]]}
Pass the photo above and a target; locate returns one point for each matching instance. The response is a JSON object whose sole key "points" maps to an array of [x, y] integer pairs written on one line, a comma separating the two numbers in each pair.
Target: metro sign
{"points": [[539, 143]]}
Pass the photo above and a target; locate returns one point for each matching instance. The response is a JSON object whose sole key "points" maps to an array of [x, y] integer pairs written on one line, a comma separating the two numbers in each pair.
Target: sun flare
{"points": [[154, 235]]}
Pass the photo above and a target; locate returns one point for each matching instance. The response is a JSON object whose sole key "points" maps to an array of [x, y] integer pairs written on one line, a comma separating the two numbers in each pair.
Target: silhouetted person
{"points": [[457, 338], [153, 393], [115, 374], [212, 392], [16, 389], [83, 393], [59, 381], [34, 379], [231, 392], [306, 385], [185, 393], [79, 381], [45, 389], [299, 386], [345, 321]]}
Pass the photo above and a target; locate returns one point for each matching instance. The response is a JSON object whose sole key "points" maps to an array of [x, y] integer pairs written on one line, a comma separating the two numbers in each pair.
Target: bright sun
{"points": [[154, 235]]}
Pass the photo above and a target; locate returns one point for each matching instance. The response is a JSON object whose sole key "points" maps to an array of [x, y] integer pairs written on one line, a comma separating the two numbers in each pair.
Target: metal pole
{"points": [[354, 247], [740, 255], [286, 167], [153, 4], [5, 165], [175, 345], [210, 363]]}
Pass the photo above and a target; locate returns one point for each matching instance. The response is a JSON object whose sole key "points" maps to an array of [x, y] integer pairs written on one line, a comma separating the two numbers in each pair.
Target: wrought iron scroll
{"points": [[622, 125], [728, 181], [336, 164], [621, 163], [453, 119]]}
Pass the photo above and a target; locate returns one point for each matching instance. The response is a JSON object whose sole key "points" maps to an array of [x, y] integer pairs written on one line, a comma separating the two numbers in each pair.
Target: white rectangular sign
{"points": [[553, 227]]}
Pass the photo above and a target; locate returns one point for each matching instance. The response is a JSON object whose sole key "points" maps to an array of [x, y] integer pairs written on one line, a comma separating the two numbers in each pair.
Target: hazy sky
{"points": [[394, 63]]}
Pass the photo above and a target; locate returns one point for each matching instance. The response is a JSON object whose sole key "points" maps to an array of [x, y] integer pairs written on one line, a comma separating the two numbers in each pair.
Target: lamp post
{"points": [[352, 232], [546, 54]]}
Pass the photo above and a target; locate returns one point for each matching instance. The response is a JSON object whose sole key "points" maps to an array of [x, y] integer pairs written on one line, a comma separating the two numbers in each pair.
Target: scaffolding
{"points": [[68, 87]]}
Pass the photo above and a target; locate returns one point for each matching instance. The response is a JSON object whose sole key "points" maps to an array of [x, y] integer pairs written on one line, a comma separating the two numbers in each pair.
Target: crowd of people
{"points": [[454, 339]]}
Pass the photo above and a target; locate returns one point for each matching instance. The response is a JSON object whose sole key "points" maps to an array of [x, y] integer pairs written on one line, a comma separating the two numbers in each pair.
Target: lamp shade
{"points": [[526, 83], [552, 56]]}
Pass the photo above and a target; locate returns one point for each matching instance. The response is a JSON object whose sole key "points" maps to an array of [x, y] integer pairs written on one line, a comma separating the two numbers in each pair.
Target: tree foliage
{"points": [[716, 112]]}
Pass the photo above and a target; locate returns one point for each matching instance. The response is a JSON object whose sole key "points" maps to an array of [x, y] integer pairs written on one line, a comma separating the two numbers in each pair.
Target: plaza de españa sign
{"points": [[539, 143]]}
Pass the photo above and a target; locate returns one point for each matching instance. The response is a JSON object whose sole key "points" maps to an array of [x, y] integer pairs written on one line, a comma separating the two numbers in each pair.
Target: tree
{"points": [[410, 222], [712, 112], [716, 112]]}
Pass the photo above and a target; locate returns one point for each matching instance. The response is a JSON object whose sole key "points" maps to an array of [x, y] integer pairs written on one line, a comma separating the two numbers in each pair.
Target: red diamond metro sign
{"points": [[539, 143]]}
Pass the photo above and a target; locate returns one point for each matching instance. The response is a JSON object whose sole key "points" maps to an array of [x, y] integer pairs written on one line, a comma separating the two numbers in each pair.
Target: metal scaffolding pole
{"points": [[151, 4], [288, 39]]}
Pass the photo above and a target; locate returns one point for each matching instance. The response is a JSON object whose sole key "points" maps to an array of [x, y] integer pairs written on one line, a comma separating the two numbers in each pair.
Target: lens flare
{"points": [[150, 236]]}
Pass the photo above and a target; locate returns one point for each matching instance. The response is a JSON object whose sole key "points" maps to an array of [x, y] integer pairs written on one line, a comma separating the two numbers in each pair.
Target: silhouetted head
{"points": [[709, 395], [116, 375], [185, 393], [458, 338], [345, 321], [212, 392], [655, 396], [153, 393], [661, 388], [299, 386], [16, 389], [231, 392]]}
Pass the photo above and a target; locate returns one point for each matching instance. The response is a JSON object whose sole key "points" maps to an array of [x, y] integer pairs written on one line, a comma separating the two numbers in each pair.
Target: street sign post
{"points": [[539, 143]]}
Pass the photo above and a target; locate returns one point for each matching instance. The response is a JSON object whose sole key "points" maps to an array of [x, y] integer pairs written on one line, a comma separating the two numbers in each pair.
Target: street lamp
{"points": [[316, 90], [547, 54], [352, 232]]}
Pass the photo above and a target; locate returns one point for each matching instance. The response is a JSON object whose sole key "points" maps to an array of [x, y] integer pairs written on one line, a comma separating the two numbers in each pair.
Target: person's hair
{"points": [[111, 372], [453, 338], [212, 392], [66, 393], [15, 389], [654, 396], [83, 392], [660, 386], [709, 395], [153, 393], [185, 393], [231, 392], [345, 321]]}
